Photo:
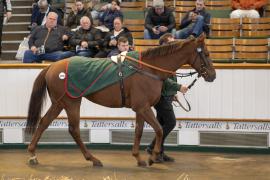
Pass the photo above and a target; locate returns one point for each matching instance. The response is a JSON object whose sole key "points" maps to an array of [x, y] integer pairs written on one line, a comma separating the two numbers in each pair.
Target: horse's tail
{"points": [[36, 102]]}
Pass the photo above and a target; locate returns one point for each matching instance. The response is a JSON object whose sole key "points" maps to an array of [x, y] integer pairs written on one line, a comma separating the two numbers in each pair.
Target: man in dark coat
{"points": [[159, 20], [86, 40], [47, 42], [40, 12]]}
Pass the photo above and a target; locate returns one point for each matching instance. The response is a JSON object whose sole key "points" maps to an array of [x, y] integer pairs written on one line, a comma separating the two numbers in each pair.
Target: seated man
{"points": [[159, 20], [47, 42], [122, 45], [86, 39], [97, 8], [194, 22], [40, 11], [78, 11], [249, 9]]}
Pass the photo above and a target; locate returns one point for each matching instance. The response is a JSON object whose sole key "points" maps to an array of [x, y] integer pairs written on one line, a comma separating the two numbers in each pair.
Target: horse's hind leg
{"points": [[137, 140], [51, 114], [73, 112]]}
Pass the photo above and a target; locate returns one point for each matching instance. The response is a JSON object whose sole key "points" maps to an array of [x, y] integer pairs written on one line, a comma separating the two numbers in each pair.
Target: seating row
{"points": [[219, 27], [226, 50]]}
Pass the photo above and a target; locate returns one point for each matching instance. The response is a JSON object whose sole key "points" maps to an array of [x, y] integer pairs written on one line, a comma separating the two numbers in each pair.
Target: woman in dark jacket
{"points": [[110, 40], [110, 14], [87, 39], [77, 13]]}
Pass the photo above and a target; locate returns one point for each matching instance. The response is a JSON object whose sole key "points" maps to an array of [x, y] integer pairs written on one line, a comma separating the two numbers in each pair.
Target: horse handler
{"points": [[164, 108]]}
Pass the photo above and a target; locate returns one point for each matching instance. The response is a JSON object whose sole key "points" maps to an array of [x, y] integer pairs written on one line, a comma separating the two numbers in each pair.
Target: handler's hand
{"points": [[9, 14], [183, 89]]}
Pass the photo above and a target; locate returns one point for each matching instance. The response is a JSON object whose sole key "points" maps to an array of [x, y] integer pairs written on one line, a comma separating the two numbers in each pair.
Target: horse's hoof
{"points": [[141, 164], [150, 162], [97, 164], [33, 161]]}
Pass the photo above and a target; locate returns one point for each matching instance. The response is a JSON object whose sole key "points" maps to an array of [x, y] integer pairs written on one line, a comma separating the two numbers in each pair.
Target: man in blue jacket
{"points": [[194, 22]]}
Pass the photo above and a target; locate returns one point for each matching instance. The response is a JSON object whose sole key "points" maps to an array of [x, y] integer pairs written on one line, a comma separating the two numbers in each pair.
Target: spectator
{"points": [[47, 42], [40, 12], [111, 38], [5, 5], [98, 8], [164, 108], [159, 20], [194, 22], [78, 11], [122, 45], [110, 14], [249, 9], [86, 39]]}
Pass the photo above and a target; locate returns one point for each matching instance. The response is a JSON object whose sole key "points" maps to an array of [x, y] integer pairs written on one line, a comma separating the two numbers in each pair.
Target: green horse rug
{"points": [[85, 76]]}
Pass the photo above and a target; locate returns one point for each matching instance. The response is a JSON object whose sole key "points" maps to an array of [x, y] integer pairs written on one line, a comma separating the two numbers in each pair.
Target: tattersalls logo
{"points": [[115, 124], [251, 126], [202, 125], [229, 126], [22, 124]]}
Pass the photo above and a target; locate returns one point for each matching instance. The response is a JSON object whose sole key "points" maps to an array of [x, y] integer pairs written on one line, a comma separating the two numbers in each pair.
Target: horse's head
{"points": [[201, 61]]}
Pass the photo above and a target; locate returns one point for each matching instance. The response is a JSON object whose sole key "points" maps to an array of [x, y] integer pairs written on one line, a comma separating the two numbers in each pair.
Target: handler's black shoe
{"points": [[159, 157], [167, 158]]}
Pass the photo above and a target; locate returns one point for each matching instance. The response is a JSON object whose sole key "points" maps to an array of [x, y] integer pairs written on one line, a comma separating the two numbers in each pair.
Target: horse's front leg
{"points": [[137, 140], [149, 117]]}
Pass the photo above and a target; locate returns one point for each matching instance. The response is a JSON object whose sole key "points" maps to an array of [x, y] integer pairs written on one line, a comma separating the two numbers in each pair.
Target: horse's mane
{"points": [[165, 49]]}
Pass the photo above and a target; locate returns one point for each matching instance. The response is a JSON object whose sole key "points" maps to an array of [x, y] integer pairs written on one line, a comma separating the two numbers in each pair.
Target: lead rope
{"points": [[179, 104]]}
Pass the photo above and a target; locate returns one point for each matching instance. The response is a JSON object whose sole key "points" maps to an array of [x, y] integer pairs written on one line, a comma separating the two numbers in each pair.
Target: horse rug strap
{"points": [[121, 80]]}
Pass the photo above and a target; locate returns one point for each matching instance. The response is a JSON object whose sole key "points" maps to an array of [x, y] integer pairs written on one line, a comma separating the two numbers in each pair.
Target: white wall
{"points": [[236, 93]]}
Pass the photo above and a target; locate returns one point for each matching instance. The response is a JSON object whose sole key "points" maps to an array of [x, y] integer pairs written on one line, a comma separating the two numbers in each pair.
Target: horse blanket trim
{"points": [[85, 76]]}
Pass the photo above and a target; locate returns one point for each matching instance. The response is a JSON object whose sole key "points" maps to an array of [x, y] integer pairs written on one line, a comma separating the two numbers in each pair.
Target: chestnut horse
{"points": [[142, 91]]}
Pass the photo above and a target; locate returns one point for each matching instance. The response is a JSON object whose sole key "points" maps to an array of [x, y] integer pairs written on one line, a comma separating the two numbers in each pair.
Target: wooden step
{"points": [[14, 35], [20, 18], [10, 45], [22, 26], [8, 55], [21, 9], [21, 2]]}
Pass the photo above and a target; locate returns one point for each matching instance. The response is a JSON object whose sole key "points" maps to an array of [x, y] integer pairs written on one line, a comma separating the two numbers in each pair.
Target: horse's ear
{"points": [[201, 37]]}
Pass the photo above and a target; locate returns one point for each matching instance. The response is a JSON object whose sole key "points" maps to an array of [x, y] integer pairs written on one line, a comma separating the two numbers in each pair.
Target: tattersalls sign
{"points": [[130, 124]]}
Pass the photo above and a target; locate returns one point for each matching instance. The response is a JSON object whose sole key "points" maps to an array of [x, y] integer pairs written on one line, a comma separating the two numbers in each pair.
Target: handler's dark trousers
{"points": [[166, 118]]}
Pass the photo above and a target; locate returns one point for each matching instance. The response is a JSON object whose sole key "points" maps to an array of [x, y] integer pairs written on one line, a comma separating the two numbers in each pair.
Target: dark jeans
{"points": [[166, 118], [30, 57]]}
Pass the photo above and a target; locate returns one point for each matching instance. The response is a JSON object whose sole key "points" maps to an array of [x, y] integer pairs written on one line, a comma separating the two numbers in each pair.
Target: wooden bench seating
{"points": [[251, 50], [220, 50], [224, 27]]}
